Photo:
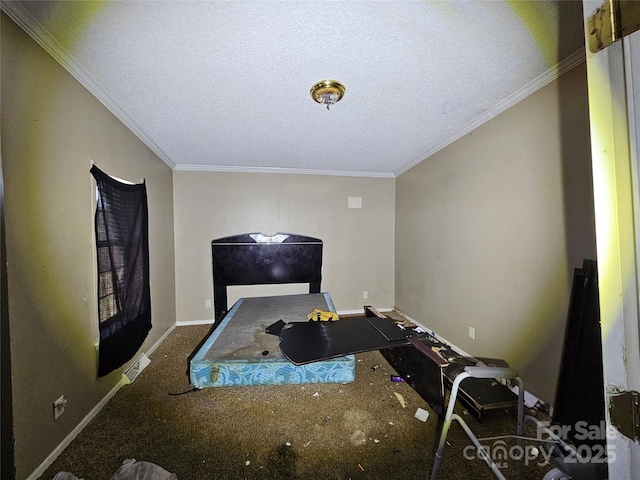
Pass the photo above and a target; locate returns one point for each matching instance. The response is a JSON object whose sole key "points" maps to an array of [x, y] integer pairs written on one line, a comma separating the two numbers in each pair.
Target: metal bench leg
{"points": [[479, 372]]}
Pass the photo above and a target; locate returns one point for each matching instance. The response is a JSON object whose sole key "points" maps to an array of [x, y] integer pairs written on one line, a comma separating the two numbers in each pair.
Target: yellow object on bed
{"points": [[318, 315]]}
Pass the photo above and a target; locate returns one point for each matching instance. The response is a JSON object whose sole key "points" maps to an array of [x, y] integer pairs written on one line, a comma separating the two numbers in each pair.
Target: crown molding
{"points": [[549, 76], [41, 36], [296, 171]]}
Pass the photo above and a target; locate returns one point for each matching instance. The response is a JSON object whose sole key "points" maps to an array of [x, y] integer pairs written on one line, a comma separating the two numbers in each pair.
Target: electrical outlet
{"points": [[207, 303], [472, 333], [365, 294], [58, 407]]}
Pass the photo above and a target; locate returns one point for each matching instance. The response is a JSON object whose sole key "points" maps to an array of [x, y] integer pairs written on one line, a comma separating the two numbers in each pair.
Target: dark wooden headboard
{"points": [[255, 259]]}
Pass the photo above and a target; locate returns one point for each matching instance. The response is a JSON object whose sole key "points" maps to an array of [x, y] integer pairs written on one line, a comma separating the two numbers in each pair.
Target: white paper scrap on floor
{"points": [[130, 470]]}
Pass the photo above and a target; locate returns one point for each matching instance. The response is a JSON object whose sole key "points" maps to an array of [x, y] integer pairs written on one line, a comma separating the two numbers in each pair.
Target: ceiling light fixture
{"points": [[327, 92]]}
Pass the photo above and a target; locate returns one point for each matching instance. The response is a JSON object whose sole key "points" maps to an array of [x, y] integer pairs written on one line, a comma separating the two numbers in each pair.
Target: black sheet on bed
{"points": [[306, 342]]}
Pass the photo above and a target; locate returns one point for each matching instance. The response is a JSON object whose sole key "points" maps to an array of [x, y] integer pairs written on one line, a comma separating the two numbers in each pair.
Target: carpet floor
{"points": [[316, 431]]}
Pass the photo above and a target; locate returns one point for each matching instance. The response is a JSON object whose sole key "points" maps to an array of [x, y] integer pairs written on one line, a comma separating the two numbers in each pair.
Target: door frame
{"points": [[614, 148]]}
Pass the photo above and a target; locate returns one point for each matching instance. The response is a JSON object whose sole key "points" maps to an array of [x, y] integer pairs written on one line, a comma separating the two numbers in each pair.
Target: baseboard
{"points": [[531, 399], [186, 323], [74, 433], [161, 339], [361, 311], [37, 473], [434, 334]]}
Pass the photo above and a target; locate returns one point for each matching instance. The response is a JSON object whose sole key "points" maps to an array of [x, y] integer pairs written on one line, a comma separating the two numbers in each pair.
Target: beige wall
{"points": [[490, 229], [485, 234], [51, 126], [358, 243]]}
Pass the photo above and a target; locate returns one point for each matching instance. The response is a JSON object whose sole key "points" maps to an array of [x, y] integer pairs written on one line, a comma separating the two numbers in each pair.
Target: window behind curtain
{"points": [[122, 241]]}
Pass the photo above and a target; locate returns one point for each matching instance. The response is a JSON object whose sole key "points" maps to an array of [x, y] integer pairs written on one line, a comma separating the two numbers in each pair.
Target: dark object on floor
{"points": [[422, 371], [430, 367], [421, 360], [580, 392]]}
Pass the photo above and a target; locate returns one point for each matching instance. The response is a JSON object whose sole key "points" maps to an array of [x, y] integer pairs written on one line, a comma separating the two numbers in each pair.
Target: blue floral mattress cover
{"points": [[239, 352]]}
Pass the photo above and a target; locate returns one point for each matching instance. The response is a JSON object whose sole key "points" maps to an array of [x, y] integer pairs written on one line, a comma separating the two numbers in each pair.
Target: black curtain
{"points": [[122, 240]]}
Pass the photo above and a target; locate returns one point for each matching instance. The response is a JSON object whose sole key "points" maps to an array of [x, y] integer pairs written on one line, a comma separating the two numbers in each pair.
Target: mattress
{"points": [[239, 352]]}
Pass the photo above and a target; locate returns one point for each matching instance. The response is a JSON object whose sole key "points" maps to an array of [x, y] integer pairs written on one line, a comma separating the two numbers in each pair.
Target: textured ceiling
{"points": [[224, 85]]}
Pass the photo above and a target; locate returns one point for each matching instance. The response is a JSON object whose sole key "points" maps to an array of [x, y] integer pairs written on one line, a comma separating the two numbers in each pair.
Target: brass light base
{"points": [[327, 92]]}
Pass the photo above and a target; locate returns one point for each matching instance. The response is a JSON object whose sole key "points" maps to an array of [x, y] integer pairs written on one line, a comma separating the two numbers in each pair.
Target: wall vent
{"points": [[134, 370]]}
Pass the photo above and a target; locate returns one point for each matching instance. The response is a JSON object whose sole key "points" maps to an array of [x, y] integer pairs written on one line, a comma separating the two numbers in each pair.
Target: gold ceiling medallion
{"points": [[327, 92]]}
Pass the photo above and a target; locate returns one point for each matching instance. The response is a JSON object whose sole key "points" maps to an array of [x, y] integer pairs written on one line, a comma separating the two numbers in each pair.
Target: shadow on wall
{"points": [[577, 188]]}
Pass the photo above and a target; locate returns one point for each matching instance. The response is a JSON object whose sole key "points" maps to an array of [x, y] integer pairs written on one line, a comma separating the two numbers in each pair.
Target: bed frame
{"points": [[238, 351], [256, 259]]}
